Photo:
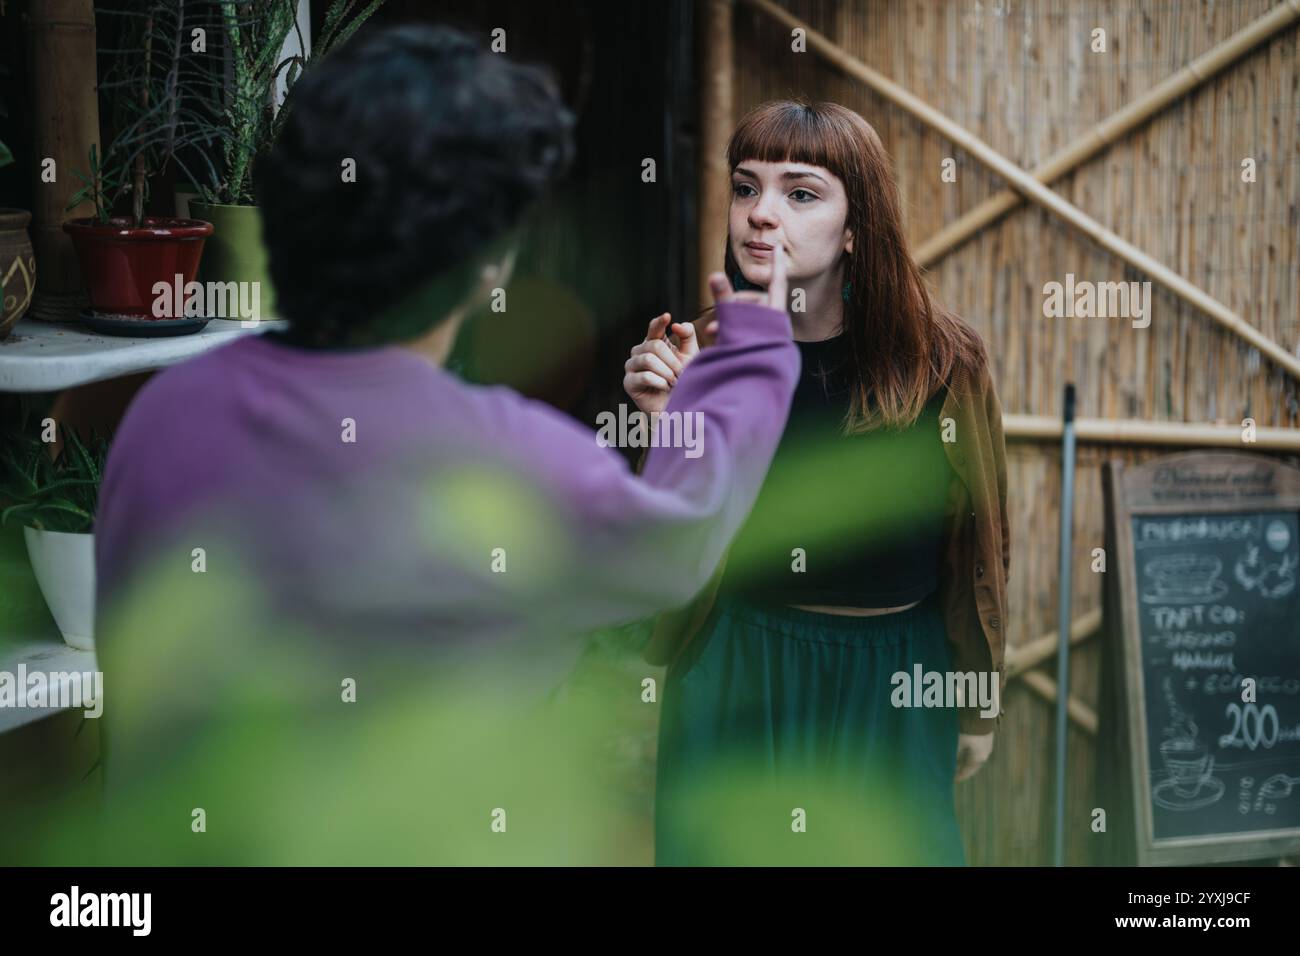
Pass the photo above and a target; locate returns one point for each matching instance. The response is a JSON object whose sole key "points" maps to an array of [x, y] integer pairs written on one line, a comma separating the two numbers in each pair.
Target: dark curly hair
{"points": [[451, 143]]}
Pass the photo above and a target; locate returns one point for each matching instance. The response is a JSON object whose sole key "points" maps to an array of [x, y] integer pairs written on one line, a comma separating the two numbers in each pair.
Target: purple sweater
{"points": [[372, 492]]}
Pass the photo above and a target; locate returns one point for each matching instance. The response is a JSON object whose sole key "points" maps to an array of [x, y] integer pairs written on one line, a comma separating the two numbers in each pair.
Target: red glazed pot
{"points": [[121, 263]]}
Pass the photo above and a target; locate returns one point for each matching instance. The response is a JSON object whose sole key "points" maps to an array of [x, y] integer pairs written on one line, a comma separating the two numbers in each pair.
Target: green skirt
{"points": [[779, 742]]}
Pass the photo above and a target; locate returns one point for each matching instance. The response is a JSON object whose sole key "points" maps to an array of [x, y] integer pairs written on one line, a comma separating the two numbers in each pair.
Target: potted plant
{"points": [[17, 262], [17, 266], [256, 34], [158, 92], [55, 499]]}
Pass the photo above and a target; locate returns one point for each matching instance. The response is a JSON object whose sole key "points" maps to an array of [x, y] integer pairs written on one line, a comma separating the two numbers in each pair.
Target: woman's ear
{"points": [[848, 242]]}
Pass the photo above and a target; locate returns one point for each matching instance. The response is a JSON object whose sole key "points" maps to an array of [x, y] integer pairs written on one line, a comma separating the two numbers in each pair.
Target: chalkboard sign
{"points": [[1207, 549]]}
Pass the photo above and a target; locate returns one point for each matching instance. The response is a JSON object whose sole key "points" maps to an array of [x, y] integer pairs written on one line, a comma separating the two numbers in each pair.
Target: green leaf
{"points": [[66, 507], [352, 27], [13, 510], [73, 446], [66, 483], [24, 484], [6, 157]]}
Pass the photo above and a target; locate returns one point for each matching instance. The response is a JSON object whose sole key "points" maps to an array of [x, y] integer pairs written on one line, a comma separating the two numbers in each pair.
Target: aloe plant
{"points": [[52, 493], [171, 103], [256, 31]]}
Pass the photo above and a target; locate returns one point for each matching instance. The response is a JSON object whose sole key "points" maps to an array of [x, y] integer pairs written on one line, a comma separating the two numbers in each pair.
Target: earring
{"points": [[847, 287]]}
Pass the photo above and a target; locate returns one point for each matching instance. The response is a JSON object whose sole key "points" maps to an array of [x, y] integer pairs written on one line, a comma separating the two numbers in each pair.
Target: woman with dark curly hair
{"points": [[370, 492]]}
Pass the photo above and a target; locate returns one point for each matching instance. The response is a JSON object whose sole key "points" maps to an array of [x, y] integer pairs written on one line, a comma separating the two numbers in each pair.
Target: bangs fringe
{"points": [[792, 132]]}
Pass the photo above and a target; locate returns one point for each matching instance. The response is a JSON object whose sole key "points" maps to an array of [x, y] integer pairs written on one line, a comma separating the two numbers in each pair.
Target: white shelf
{"points": [[50, 356], [48, 656]]}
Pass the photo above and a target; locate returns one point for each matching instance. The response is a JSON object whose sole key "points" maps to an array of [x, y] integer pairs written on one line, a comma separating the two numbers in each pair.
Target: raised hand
{"points": [[652, 369]]}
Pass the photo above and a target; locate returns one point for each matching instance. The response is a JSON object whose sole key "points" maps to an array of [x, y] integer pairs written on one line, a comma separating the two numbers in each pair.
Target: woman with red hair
{"points": [[875, 555]]}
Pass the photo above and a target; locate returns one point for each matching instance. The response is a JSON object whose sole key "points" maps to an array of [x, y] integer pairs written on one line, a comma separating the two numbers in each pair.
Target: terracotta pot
{"points": [[121, 263], [17, 267]]}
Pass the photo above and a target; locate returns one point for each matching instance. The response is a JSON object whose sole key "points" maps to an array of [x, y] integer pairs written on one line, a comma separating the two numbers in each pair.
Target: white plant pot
{"points": [[65, 571]]}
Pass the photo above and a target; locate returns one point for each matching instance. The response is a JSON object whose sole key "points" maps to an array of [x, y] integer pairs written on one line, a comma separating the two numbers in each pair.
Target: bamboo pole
{"points": [[1035, 190], [1026, 656], [716, 120], [1114, 431], [1113, 127], [65, 122], [1082, 715]]}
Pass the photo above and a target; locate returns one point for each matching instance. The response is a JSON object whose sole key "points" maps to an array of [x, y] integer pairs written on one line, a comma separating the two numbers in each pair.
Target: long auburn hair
{"points": [[904, 345]]}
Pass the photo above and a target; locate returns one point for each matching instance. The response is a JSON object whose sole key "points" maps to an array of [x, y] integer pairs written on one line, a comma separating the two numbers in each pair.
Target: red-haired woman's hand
{"points": [[973, 752], [652, 369]]}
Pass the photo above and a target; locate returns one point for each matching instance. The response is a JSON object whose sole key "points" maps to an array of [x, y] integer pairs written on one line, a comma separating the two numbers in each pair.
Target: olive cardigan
{"points": [[976, 559]]}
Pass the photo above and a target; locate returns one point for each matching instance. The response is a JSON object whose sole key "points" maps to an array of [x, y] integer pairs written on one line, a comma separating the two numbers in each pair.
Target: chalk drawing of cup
{"points": [[1189, 765], [1185, 575]]}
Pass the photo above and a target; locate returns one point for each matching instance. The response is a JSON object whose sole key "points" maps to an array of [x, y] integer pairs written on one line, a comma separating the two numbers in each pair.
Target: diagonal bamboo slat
{"points": [[1109, 130]]}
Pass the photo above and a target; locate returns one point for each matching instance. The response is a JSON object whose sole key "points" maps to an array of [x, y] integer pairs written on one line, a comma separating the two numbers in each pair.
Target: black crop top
{"points": [[844, 521]]}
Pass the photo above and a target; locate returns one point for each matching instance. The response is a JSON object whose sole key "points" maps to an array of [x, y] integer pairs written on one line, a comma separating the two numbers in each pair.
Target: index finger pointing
{"points": [[776, 288]]}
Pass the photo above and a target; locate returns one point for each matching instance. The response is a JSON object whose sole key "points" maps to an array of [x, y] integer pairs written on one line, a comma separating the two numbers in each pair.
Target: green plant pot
{"points": [[234, 252]]}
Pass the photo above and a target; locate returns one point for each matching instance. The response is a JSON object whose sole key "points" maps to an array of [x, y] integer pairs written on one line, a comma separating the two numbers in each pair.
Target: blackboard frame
{"points": [[1130, 491]]}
